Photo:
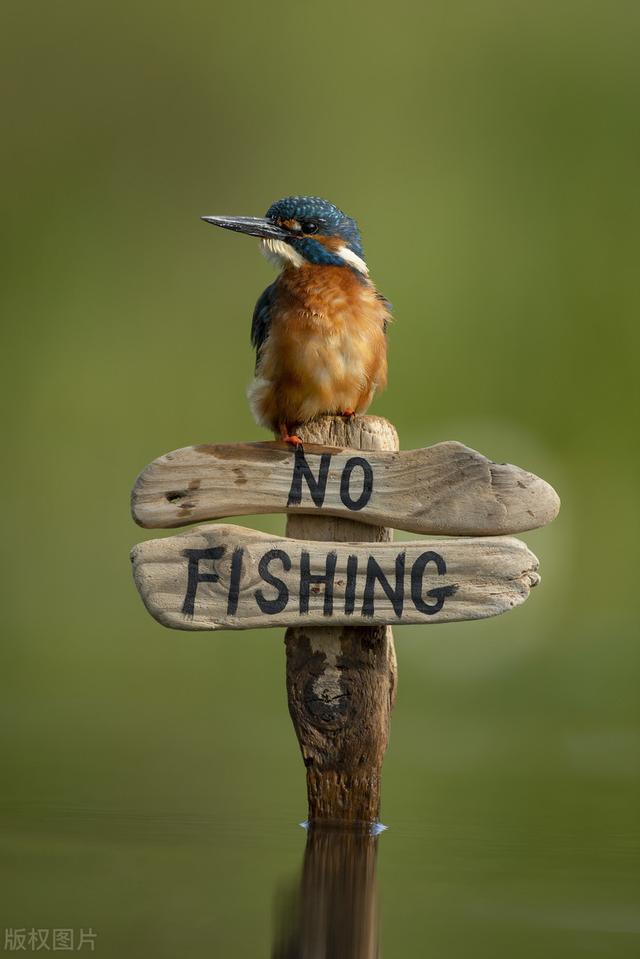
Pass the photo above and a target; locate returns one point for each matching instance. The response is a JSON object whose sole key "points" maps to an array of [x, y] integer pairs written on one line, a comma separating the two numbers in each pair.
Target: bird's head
{"points": [[302, 229]]}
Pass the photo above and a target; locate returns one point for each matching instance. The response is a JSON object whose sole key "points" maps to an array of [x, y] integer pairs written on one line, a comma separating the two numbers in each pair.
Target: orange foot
{"points": [[348, 414], [291, 439]]}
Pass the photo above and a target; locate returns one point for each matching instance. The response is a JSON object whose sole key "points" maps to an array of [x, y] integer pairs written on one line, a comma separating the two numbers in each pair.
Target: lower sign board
{"points": [[228, 577]]}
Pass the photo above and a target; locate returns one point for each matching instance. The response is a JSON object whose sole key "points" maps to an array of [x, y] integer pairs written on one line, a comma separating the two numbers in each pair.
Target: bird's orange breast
{"points": [[326, 349]]}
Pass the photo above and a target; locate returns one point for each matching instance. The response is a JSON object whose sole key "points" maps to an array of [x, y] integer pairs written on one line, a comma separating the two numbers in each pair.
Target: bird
{"points": [[320, 329]]}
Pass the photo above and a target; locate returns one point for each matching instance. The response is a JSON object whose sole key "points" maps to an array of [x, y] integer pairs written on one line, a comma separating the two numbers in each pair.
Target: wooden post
{"points": [[341, 681]]}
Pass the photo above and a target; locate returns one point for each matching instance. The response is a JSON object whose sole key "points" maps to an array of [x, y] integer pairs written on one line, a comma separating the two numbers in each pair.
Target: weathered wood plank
{"points": [[443, 489], [228, 577]]}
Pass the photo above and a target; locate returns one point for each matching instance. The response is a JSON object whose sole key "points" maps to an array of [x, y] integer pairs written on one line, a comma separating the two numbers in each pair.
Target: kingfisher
{"points": [[319, 330]]}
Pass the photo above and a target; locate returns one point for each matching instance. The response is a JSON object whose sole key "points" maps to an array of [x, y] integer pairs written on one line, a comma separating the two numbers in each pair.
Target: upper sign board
{"points": [[443, 489]]}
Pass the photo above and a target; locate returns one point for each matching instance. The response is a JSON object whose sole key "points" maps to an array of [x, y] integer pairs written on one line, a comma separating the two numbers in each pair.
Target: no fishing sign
{"points": [[226, 577]]}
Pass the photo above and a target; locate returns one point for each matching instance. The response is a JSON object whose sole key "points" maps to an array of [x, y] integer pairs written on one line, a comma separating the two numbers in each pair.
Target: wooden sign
{"points": [[447, 488], [228, 577]]}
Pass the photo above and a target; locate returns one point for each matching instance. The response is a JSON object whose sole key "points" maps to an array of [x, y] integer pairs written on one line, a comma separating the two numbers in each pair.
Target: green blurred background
{"points": [[490, 151]]}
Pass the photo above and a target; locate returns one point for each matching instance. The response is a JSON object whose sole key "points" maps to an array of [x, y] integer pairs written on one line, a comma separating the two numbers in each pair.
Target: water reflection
{"points": [[333, 909]]}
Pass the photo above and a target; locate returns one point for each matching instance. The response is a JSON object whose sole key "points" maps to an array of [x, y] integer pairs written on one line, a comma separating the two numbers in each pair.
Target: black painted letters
{"points": [[234, 581], [354, 585], [317, 487], [367, 483], [194, 576], [396, 596], [271, 606], [327, 578], [439, 593]]}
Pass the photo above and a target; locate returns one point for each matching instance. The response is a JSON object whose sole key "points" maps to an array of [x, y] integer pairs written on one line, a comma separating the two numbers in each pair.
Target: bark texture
{"points": [[341, 681]]}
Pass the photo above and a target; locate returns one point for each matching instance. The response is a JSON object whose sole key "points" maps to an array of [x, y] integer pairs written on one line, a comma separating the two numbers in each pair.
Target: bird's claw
{"points": [[290, 438], [348, 414]]}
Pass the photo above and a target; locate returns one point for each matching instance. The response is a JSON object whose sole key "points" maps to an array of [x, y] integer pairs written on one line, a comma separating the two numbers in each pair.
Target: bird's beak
{"points": [[251, 225]]}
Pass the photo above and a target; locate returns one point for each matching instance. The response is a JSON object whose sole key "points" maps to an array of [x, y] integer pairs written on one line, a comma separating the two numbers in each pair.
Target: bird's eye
{"points": [[310, 226]]}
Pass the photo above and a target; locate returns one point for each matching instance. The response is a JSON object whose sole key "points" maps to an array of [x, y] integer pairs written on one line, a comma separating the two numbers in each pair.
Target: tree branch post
{"points": [[341, 681]]}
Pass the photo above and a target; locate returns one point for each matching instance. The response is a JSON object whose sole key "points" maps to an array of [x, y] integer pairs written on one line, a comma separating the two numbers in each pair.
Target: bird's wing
{"points": [[387, 309], [261, 321]]}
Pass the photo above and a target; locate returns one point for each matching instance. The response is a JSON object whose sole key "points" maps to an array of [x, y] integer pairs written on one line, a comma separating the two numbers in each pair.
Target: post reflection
{"points": [[332, 912]]}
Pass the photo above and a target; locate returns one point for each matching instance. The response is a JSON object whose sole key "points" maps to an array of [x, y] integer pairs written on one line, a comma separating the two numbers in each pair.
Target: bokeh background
{"points": [[490, 151]]}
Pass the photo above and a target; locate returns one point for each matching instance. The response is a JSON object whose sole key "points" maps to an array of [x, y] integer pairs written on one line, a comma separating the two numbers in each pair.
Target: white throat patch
{"points": [[280, 253]]}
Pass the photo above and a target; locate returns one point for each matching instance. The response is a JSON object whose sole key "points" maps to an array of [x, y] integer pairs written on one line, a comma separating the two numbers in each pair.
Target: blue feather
{"points": [[261, 322], [331, 220]]}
